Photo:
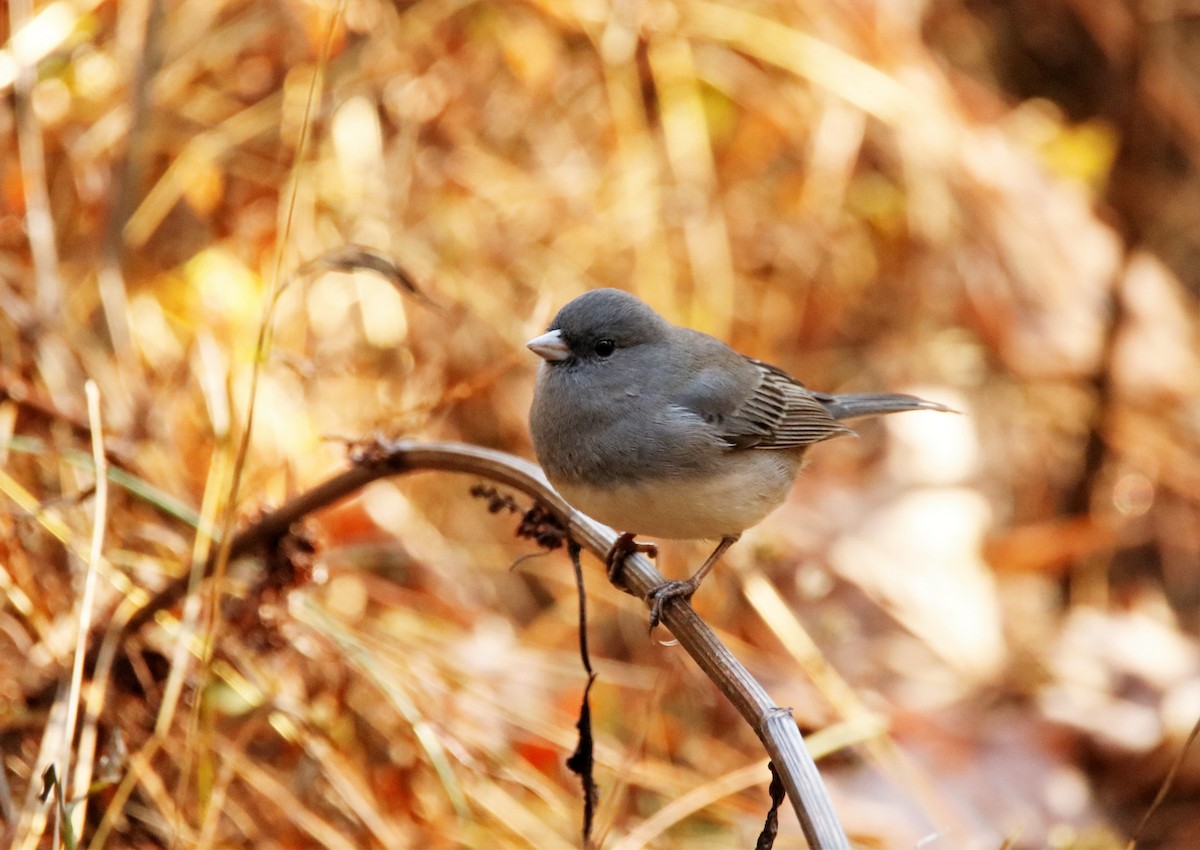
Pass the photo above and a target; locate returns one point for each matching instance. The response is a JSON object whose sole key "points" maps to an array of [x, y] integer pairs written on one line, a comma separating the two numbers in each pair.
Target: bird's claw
{"points": [[622, 548], [674, 589]]}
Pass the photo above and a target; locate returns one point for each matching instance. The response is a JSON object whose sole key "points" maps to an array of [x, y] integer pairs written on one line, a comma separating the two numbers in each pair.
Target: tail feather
{"points": [[854, 405]]}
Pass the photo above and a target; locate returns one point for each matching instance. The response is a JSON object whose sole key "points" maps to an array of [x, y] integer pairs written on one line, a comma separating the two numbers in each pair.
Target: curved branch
{"points": [[774, 726]]}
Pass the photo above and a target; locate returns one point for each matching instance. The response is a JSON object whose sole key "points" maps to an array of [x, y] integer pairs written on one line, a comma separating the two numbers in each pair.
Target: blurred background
{"points": [[986, 624]]}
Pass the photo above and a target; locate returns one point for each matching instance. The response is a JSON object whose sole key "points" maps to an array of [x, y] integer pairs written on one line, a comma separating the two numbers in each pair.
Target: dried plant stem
{"points": [[87, 737], [39, 222], [773, 725]]}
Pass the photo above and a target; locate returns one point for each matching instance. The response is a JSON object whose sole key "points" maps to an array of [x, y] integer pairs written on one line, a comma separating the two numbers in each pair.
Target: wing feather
{"points": [[778, 413], [743, 403]]}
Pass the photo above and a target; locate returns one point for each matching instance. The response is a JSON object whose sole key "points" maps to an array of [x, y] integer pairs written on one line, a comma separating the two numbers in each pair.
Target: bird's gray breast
{"points": [[585, 431]]}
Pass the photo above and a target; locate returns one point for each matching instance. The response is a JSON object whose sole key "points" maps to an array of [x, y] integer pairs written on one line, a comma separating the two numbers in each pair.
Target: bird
{"points": [[661, 430]]}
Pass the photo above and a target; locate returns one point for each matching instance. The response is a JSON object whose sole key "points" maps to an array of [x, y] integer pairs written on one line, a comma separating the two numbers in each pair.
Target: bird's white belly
{"points": [[724, 504]]}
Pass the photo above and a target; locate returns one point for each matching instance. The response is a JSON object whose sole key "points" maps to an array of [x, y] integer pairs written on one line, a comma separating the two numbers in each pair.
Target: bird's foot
{"points": [[622, 548], [674, 589]]}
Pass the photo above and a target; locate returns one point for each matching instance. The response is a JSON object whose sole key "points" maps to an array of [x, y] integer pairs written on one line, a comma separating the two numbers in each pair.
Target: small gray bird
{"points": [[666, 431]]}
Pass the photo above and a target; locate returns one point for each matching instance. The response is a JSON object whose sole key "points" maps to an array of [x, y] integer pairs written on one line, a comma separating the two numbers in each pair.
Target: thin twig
{"points": [[774, 726], [1165, 788]]}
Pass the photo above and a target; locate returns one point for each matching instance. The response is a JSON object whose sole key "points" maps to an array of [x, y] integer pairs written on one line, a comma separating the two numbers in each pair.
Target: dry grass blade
{"points": [[348, 258], [695, 800], [345, 781], [39, 219], [277, 794], [855, 81], [82, 776], [511, 816], [369, 664]]}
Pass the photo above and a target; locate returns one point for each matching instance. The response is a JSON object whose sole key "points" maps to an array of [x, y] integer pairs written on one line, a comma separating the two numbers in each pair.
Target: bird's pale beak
{"points": [[549, 346]]}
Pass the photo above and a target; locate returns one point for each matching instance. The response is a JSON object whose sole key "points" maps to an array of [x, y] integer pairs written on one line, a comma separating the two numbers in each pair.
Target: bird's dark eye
{"points": [[605, 347]]}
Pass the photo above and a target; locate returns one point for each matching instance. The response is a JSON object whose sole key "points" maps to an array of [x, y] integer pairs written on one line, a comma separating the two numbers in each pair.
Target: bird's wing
{"points": [[751, 404]]}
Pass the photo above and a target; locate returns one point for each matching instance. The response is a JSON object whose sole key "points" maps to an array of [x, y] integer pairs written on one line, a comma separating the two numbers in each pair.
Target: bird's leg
{"points": [[622, 548], [683, 589]]}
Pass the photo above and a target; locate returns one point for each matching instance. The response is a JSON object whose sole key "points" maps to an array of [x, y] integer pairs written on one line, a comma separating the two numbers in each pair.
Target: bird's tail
{"points": [[854, 405]]}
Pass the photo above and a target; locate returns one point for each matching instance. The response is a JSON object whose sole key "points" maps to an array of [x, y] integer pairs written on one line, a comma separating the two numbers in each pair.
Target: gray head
{"points": [[598, 326]]}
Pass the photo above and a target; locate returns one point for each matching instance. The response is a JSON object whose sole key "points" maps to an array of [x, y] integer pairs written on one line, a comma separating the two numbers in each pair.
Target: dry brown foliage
{"points": [[988, 623]]}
